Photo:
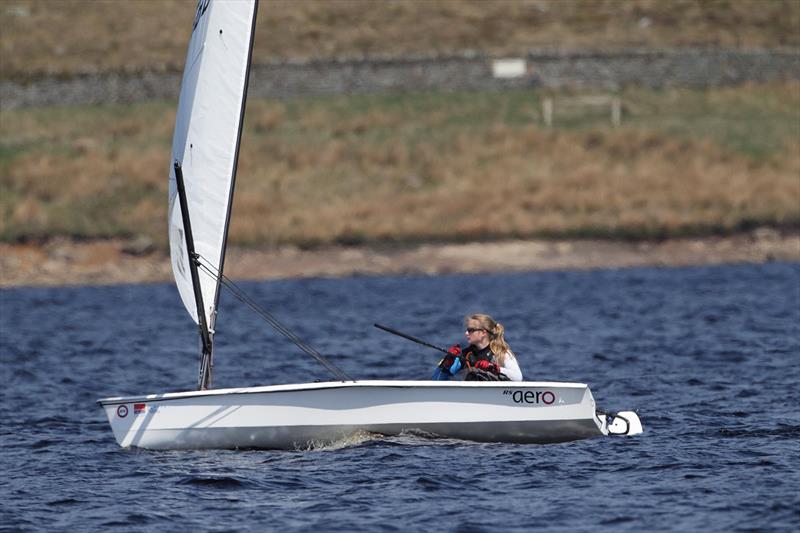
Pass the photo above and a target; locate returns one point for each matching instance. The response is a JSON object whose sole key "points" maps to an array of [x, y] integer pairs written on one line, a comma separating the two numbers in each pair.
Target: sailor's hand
{"points": [[487, 366], [454, 350]]}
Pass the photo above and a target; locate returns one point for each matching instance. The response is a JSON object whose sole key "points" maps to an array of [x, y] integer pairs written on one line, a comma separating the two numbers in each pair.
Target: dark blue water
{"points": [[708, 356]]}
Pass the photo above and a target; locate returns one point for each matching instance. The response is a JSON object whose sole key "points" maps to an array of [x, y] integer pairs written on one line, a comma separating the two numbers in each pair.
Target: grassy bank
{"points": [[419, 167], [78, 35]]}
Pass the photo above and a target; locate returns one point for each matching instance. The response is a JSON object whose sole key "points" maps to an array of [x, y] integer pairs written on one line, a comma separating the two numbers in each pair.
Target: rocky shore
{"points": [[63, 262]]}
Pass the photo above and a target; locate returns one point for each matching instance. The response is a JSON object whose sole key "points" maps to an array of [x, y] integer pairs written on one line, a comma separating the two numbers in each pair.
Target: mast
{"points": [[206, 359]]}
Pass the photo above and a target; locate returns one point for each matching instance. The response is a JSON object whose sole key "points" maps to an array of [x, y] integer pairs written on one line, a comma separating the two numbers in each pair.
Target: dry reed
{"points": [[422, 167]]}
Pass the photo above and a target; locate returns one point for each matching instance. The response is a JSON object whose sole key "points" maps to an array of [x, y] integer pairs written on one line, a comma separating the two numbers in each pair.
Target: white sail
{"points": [[206, 140]]}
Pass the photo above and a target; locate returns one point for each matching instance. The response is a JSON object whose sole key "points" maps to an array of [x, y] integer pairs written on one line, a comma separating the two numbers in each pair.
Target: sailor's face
{"points": [[475, 333]]}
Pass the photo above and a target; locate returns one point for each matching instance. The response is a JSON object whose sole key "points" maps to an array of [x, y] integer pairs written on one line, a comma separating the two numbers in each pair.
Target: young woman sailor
{"points": [[488, 356]]}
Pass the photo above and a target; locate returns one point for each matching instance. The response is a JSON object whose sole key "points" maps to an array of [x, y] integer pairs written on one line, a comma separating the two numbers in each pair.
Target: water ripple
{"points": [[708, 356]]}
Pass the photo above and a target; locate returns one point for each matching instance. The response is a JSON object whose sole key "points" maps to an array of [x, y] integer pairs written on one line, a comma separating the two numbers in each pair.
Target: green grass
{"points": [[747, 120]]}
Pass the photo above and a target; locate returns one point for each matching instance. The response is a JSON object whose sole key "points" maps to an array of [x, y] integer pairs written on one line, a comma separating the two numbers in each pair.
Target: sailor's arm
{"points": [[511, 368]]}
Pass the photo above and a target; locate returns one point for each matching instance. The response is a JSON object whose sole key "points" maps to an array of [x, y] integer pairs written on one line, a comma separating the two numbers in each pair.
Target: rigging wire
{"points": [[265, 315]]}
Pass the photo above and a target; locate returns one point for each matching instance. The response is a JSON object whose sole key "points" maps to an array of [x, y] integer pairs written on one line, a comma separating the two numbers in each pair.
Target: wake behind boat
{"points": [[205, 151]]}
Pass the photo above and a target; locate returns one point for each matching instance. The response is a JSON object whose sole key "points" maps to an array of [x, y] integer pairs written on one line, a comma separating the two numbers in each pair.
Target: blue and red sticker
{"points": [[138, 408]]}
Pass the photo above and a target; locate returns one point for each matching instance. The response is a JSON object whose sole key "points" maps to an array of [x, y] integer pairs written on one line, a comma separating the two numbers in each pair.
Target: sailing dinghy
{"points": [[205, 149]]}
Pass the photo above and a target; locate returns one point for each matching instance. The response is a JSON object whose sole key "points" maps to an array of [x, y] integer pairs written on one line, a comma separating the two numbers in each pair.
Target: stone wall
{"points": [[595, 70]]}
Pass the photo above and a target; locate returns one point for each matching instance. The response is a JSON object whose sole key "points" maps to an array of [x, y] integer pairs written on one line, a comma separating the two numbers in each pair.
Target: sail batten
{"points": [[206, 141]]}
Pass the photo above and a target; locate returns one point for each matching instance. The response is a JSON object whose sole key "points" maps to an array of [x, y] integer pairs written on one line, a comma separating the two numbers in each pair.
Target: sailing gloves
{"points": [[487, 366], [453, 361]]}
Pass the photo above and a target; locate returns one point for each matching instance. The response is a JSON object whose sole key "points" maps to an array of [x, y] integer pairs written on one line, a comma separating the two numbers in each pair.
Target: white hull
{"points": [[315, 414]]}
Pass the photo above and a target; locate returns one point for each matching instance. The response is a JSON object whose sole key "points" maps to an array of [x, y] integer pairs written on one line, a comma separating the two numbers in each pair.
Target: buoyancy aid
{"points": [[474, 355], [452, 365]]}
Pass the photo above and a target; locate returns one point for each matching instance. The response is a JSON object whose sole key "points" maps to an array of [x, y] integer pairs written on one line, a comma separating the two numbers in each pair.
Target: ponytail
{"points": [[498, 344]]}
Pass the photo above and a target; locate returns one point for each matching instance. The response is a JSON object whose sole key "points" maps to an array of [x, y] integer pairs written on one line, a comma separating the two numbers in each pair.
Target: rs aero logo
{"points": [[531, 397]]}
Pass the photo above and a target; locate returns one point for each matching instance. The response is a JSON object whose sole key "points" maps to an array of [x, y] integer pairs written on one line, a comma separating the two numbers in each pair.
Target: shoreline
{"points": [[64, 262]]}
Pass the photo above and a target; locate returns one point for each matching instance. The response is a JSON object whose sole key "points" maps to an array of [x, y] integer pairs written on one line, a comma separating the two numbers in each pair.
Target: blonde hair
{"points": [[495, 330]]}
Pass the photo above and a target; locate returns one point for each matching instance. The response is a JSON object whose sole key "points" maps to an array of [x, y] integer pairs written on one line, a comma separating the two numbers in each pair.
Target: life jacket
{"points": [[474, 355], [451, 365]]}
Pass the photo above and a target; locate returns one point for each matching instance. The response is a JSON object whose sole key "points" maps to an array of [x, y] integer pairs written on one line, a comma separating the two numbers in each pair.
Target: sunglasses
{"points": [[473, 330]]}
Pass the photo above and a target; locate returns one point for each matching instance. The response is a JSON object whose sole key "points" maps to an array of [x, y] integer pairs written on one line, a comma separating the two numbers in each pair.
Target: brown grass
{"points": [[422, 167], [522, 182], [86, 35]]}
